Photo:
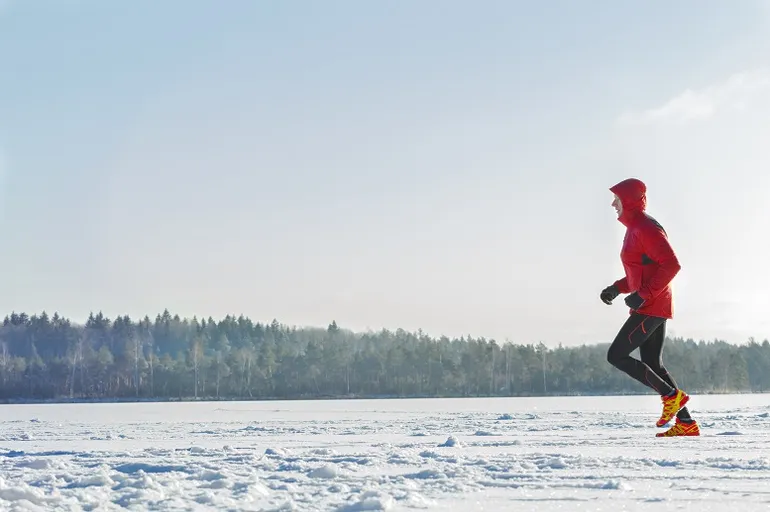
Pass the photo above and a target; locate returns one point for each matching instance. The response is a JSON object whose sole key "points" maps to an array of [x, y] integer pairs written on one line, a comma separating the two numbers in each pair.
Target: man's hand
{"points": [[634, 301], [609, 294]]}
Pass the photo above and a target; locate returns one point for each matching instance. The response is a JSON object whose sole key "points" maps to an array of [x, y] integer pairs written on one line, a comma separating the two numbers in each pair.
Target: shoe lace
{"points": [[669, 406]]}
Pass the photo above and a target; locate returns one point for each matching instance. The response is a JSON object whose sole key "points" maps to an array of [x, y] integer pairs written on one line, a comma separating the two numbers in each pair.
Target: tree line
{"points": [[44, 357]]}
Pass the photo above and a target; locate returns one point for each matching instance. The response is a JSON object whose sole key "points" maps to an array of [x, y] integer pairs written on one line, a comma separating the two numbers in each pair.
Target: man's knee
{"points": [[613, 356]]}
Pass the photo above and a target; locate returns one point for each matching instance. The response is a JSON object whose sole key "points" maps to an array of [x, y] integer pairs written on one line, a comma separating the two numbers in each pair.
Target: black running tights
{"points": [[647, 333]]}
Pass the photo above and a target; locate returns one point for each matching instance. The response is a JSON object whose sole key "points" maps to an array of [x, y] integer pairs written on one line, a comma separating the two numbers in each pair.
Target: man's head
{"points": [[630, 197]]}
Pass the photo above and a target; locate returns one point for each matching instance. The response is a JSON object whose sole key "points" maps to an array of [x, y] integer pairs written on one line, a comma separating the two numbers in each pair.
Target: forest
{"points": [[46, 357]]}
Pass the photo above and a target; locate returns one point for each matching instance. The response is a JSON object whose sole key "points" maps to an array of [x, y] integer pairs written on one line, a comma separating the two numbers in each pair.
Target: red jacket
{"points": [[648, 259]]}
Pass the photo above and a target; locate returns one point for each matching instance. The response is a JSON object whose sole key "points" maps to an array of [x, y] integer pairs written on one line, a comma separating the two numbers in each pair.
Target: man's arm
{"points": [[658, 248], [622, 285]]}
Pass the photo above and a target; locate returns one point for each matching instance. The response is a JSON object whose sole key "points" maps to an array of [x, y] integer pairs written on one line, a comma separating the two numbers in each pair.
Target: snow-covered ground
{"points": [[570, 453]]}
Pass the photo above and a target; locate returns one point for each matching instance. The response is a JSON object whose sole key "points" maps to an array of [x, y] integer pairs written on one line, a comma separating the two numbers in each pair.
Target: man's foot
{"points": [[681, 428], [671, 405]]}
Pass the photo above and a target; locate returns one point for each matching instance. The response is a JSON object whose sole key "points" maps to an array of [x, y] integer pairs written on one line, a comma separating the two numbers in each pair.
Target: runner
{"points": [[650, 264]]}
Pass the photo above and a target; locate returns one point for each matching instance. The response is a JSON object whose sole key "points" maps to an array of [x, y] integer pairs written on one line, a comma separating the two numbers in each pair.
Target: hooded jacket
{"points": [[649, 262]]}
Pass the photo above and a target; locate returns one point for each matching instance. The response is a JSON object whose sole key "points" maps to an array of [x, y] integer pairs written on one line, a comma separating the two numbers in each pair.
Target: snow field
{"points": [[566, 453]]}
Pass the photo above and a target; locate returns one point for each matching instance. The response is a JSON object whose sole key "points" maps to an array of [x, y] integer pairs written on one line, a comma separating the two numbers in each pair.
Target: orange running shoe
{"points": [[672, 405], [681, 428]]}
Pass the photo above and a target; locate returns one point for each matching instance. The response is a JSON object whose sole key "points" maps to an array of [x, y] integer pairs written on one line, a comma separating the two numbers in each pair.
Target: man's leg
{"points": [[651, 353], [634, 333]]}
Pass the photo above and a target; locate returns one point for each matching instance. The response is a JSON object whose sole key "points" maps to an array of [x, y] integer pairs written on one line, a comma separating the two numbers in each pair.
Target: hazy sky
{"points": [[441, 165]]}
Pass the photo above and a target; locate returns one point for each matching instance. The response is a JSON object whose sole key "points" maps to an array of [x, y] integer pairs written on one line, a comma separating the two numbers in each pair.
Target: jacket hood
{"points": [[633, 196]]}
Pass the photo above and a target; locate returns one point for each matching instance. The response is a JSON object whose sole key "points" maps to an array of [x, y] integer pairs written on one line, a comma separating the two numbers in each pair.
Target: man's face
{"points": [[618, 205]]}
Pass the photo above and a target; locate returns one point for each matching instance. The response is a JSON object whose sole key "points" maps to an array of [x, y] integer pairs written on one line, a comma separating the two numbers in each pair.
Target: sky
{"points": [[428, 165]]}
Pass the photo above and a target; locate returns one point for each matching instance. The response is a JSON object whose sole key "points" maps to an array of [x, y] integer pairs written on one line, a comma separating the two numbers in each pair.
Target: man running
{"points": [[650, 265]]}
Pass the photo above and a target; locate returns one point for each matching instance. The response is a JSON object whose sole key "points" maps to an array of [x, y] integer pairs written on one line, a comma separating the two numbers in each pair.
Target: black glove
{"points": [[609, 294], [634, 301]]}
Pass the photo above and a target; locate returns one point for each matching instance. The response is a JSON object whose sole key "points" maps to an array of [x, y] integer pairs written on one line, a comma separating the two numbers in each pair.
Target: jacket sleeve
{"points": [[658, 248], [622, 285]]}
